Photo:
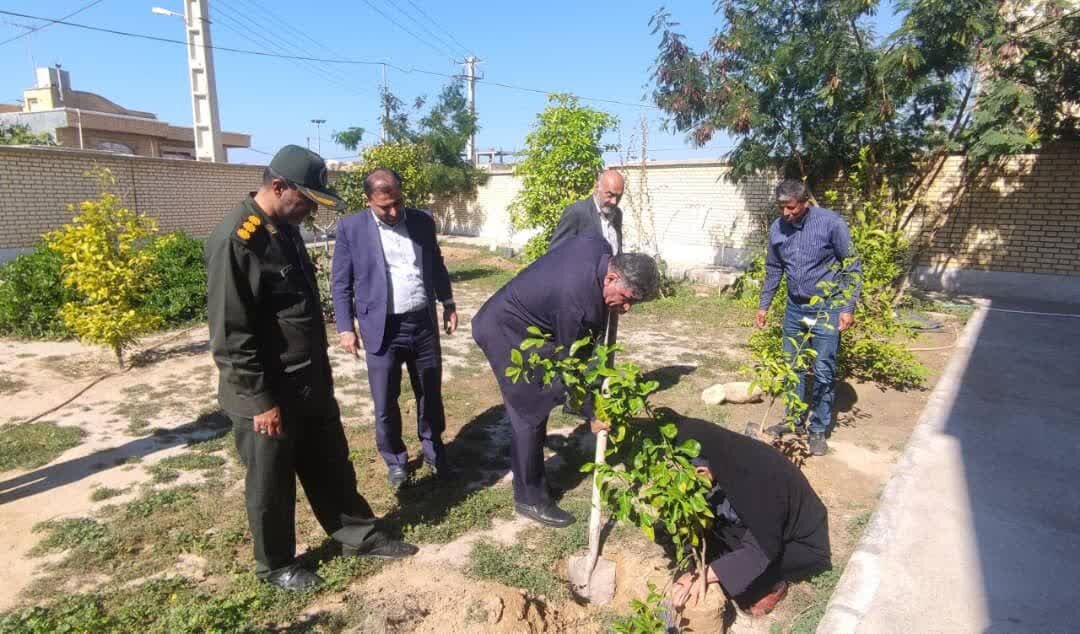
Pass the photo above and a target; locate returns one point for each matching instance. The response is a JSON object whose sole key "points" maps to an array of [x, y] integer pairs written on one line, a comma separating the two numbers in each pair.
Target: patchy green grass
{"points": [[146, 536], [168, 469], [139, 413], [710, 310], [137, 426], [511, 566], [104, 493], [340, 571], [531, 562], [475, 512], [69, 533], [162, 605], [858, 524], [11, 385], [156, 501], [822, 585], [31, 445], [480, 269]]}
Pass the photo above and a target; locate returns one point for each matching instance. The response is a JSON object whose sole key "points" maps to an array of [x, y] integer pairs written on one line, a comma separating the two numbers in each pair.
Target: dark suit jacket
{"points": [[561, 293], [360, 285], [582, 218]]}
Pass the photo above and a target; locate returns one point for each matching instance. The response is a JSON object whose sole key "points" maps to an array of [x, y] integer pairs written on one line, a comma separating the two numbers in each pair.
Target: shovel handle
{"points": [[601, 453], [594, 512]]}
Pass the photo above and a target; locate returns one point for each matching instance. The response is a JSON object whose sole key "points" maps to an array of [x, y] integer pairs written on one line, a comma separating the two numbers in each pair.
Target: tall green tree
{"points": [[349, 138], [429, 154], [563, 155], [802, 85]]}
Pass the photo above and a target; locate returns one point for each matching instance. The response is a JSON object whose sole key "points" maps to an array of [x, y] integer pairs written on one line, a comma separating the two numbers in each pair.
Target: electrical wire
{"points": [[229, 20], [265, 34], [439, 26], [50, 22], [407, 30], [420, 23], [357, 62]]}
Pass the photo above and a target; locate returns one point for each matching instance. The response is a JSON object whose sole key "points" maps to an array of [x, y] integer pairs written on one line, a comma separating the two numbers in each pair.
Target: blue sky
{"points": [[592, 49]]}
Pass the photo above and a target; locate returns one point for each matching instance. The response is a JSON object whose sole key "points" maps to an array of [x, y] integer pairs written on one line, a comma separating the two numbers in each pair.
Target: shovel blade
{"points": [[600, 587]]}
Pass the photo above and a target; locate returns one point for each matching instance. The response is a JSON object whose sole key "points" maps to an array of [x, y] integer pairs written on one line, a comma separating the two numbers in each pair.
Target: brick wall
{"points": [[1023, 218], [37, 185]]}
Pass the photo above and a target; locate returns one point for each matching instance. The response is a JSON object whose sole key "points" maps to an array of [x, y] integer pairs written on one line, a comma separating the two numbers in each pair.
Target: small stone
{"points": [[714, 395], [740, 392]]}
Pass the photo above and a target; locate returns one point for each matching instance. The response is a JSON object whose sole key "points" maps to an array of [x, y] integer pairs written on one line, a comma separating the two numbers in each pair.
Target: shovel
{"points": [[592, 578]]}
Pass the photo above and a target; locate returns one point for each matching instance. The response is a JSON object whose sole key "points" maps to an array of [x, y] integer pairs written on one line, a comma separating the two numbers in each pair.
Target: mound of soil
{"points": [[406, 599]]}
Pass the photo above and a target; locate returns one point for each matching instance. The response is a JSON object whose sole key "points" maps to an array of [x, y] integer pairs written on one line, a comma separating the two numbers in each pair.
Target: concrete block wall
{"points": [[485, 214], [685, 210]]}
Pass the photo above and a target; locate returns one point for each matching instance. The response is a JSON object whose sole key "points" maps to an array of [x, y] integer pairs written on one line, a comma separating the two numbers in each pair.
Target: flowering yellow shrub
{"points": [[108, 267]]}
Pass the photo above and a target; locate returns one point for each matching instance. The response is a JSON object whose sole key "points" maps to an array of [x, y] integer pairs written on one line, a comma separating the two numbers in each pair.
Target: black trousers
{"points": [[412, 339], [314, 449], [528, 428]]}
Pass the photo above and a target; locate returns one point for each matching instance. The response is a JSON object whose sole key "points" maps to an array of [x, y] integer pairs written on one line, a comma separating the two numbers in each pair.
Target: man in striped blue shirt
{"points": [[809, 245]]}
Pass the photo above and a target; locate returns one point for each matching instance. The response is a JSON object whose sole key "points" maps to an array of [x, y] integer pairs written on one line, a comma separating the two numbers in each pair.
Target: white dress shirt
{"points": [[404, 277], [607, 228]]}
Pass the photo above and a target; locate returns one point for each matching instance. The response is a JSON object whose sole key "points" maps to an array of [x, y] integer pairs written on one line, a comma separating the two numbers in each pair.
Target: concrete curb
{"points": [[859, 584]]}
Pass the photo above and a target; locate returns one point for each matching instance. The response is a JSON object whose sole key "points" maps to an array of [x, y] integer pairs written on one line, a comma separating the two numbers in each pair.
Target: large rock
{"points": [[740, 392], [714, 395]]}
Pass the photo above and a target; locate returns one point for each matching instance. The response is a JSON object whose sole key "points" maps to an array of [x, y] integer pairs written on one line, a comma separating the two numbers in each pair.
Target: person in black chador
{"points": [[770, 527]]}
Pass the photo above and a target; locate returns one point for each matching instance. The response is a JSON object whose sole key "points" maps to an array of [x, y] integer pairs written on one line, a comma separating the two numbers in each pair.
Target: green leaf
{"points": [[535, 330], [515, 356], [669, 431], [691, 448], [588, 467]]}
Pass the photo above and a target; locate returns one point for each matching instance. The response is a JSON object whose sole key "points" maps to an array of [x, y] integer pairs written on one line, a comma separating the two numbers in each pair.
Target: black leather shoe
{"points": [[397, 476], [294, 579], [818, 446], [548, 514], [380, 547]]}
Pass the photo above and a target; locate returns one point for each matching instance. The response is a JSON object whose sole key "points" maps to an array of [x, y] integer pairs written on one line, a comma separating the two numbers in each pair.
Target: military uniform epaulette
{"points": [[252, 231]]}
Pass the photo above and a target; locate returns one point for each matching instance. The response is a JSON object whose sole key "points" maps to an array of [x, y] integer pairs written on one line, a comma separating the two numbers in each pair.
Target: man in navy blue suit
{"points": [[388, 274], [568, 292]]}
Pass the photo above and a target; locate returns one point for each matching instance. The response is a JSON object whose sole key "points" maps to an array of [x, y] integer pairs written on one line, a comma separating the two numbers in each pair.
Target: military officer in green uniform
{"points": [[269, 342]]}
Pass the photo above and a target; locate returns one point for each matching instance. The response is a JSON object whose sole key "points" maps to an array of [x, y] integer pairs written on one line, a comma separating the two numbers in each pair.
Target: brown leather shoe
{"points": [[767, 603]]}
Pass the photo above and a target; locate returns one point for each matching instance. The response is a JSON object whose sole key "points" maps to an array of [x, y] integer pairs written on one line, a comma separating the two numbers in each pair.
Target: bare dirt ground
{"points": [[165, 406]]}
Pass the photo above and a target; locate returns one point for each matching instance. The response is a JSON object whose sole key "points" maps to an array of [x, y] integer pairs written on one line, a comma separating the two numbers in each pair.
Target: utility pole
{"points": [[318, 133], [470, 76], [205, 119]]}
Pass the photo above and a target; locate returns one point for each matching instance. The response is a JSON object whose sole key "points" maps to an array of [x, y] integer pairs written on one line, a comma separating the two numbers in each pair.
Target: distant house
{"points": [[85, 120]]}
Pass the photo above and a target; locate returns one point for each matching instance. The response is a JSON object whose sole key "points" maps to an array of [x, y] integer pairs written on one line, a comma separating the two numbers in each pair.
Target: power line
{"points": [[253, 30], [50, 22], [419, 22], [288, 43], [354, 62], [439, 26], [407, 30]]}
